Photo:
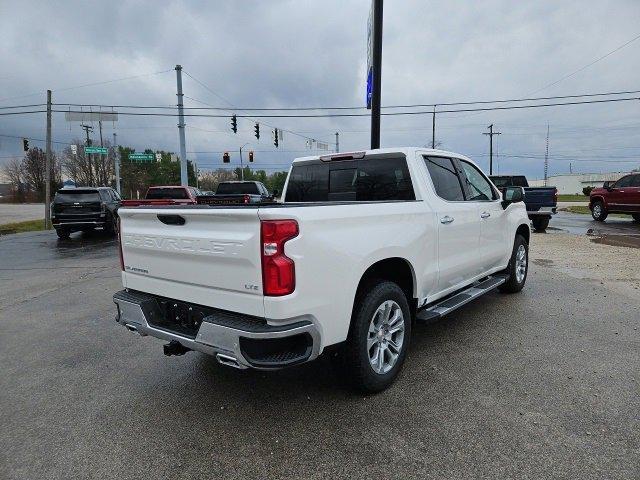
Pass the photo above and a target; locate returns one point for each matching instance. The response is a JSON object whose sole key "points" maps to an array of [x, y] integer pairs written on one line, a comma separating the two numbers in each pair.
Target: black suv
{"points": [[83, 209]]}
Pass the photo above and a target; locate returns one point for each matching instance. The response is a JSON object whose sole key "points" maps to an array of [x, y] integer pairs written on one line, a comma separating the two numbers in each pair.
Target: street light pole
{"points": [[377, 74], [241, 165]]}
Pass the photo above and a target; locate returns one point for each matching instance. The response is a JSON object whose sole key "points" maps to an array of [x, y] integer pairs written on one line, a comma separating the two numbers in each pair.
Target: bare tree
{"points": [[89, 170], [13, 171], [33, 169], [209, 180]]}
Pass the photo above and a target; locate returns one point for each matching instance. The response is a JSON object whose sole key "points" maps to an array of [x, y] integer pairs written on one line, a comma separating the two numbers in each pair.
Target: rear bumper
{"points": [[542, 212], [234, 339], [79, 221]]}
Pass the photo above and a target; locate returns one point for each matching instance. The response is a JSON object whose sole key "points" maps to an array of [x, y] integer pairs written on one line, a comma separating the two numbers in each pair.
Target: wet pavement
{"points": [[540, 384], [619, 231]]}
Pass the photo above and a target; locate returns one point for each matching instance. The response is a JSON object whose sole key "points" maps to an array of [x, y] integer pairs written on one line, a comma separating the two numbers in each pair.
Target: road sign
{"points": [[91, 116], [142, 157], [158, 157], [74, 149], [99, 150]]}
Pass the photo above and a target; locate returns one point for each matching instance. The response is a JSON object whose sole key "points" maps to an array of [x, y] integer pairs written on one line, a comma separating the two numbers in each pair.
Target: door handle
{"points": [[446, 219], [485, 215], [171, 219]]}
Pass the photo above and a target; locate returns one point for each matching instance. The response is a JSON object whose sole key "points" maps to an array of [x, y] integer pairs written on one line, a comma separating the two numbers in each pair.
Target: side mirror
{"points": [[512, 195], [608, 185]]}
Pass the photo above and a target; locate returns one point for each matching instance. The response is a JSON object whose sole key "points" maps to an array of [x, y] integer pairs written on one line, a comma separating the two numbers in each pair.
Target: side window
{"points": [[104, 195], [445, 178], [635, 182], [116, 196], [624, 181], [479, 187]]}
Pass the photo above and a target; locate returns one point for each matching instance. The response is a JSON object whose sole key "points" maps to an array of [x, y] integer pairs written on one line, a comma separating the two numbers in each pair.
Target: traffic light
{"points": [[226, 158], [234, 124], [251, 155], [275, 137], [25, 144], [257, 129]]}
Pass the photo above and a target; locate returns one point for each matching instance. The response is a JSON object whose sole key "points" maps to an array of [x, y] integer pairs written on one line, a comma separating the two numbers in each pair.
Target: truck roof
{"points": [[405, 150]]}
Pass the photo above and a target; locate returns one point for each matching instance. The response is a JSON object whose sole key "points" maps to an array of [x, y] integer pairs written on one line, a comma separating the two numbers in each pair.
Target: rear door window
{"points": [[373, 178], [445, 178], [77, 197]]}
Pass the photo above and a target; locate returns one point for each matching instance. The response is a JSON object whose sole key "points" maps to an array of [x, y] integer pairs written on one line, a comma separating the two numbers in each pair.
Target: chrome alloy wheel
{"points": [[521, 263], [385, 337], [597, 210]]}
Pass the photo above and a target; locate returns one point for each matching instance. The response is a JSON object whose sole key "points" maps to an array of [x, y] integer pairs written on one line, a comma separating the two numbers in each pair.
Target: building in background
{"points": [[575, 182]]}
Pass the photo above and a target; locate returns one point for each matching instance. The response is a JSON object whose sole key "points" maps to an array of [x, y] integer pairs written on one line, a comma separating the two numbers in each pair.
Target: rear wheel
{"points": [[378, 339], [636, 217], [598, 211], [518, 267], [62, 233], [540, 224]]}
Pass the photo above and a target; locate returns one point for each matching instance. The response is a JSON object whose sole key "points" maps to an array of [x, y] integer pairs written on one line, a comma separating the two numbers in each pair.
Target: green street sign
{"points": [[142, 157], [99, 150]]}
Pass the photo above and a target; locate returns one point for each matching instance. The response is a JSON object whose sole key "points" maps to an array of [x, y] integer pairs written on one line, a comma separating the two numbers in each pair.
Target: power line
{"points": [[337, 115], [416, 105], [588, 65], [104, 82]]}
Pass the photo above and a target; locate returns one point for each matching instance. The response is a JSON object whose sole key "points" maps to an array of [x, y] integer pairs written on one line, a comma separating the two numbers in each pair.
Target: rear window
{"points": [[502, 182], [77, 197], [373, 178], [237, 188], [167, 194]]}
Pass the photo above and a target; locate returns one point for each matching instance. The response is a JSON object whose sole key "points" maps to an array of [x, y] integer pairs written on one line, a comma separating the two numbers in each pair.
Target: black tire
{"points": [[540, 224], [110, 227], [598, 212], [62, 233], [513, 285], [636, 217], [352, 360]]}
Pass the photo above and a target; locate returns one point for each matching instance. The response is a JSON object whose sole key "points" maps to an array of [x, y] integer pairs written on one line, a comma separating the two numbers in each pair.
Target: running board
{"points": [[442, 307]]}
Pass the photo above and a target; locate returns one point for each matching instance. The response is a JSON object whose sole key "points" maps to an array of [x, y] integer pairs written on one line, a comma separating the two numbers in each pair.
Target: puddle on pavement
{"points": [[617, 240]]}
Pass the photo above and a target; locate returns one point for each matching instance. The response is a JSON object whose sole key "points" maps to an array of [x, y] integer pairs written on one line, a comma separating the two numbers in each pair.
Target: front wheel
{"points": [[598, 212], [378, 339], [518, 267], [540, 224]]}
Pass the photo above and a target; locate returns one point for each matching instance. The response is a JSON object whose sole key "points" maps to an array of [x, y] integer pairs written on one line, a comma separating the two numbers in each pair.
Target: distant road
{"points": [[19, 212]]}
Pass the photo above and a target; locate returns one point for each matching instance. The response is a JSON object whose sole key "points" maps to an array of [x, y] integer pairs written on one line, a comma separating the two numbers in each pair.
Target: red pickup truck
{"points": [[622, 196], [166, 195]]}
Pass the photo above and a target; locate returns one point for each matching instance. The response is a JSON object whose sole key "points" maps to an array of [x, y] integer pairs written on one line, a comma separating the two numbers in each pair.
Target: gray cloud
{"points": [[280, 53]]}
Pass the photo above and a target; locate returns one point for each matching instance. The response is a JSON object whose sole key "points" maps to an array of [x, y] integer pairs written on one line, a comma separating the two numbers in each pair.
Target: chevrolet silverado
{"points": [[363, 245]]}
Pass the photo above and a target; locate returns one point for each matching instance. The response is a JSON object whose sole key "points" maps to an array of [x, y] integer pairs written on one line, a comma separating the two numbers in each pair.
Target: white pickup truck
{"points": [[362, 246]]}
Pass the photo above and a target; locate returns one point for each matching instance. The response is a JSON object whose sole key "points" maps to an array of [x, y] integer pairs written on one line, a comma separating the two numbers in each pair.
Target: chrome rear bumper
{"points": [[235, 340]]}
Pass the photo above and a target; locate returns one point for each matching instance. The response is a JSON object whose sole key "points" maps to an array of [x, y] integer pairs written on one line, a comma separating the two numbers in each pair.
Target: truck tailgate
{"points": [[538, 197], [207, 256]]}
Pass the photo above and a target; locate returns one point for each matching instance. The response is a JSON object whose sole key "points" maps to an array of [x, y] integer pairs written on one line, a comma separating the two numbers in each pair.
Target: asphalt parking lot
{"points": [[541, 384]]}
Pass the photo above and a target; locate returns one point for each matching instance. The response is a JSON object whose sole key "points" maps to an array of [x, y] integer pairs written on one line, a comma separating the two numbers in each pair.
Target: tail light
{"points": [[246, 199], [555, 195], [278, 270], [120, 245]]}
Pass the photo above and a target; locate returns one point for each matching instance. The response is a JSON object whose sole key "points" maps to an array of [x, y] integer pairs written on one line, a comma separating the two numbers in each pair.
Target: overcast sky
{"points": [[273, 53]]}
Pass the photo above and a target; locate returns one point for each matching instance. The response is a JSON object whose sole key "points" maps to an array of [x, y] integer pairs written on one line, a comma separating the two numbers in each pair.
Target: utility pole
{"points": [[100, 128], [116, 160], [433, 129], [546, 159], [184, 180], [377, 74], [491, 133], [47, 175], [337, 142], [87, 129]]}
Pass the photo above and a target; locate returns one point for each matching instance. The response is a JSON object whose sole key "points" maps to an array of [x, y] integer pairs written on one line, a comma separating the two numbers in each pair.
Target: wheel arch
{"points": [[596, 198], [525, 231], [395, 269]]}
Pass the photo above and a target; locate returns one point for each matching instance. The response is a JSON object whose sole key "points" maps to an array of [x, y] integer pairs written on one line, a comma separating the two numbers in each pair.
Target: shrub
{"points": [[587, 191]]}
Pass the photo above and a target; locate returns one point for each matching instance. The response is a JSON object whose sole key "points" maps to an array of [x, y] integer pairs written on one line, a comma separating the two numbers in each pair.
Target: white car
{"points": [[362, 245]]}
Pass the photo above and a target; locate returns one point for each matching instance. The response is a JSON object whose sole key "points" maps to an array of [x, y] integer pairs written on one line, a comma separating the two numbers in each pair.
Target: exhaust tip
{"points": [[228, 360]]}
